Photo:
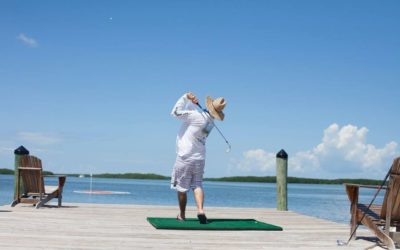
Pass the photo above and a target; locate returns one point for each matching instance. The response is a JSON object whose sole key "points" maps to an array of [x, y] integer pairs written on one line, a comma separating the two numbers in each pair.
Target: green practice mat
{"points": [[213, 224]]}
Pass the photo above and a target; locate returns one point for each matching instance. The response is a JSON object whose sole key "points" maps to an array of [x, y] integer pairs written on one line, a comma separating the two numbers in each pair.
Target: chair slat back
{"points": [[32, 179], [393, 192]]}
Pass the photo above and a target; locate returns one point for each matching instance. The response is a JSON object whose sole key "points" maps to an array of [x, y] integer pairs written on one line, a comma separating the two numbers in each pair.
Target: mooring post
{"points": [[19, 152], [281, 180]]}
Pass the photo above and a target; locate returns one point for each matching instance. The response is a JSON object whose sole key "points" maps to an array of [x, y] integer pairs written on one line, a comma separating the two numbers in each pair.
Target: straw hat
{"points": [[215, 107]]}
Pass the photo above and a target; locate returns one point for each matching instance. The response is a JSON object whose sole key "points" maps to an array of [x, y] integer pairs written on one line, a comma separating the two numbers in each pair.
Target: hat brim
{"points": [[219, 115]]}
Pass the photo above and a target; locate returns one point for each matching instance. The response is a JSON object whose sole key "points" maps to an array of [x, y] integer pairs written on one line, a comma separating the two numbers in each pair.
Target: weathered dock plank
{"points": [[105, 226]]}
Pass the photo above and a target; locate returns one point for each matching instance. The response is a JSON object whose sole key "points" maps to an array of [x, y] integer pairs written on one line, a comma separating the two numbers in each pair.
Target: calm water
{"points": [[323, 201]]}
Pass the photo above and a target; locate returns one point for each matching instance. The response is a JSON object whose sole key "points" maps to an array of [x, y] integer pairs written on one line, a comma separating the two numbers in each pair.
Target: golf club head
{"points": [[228, 149], [341, 243]]}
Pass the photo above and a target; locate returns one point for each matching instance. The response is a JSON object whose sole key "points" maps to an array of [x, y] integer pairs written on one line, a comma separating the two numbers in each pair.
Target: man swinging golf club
{"points": [[190, 149]]}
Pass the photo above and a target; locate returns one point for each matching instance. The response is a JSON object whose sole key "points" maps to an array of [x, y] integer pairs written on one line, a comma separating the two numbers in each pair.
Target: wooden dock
{"points": [[101, 226]]}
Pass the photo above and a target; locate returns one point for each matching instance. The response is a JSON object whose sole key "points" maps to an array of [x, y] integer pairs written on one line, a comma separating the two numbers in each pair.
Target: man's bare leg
{"points": [[182, 198], [199, 198]]}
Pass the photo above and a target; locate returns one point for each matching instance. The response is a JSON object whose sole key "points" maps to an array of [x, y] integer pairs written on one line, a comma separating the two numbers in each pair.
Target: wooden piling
{"points": [[281, 180], [19, 152]]}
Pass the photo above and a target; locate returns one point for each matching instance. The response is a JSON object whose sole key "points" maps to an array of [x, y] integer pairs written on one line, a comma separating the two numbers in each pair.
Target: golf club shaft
{"points": [[219, 131]]}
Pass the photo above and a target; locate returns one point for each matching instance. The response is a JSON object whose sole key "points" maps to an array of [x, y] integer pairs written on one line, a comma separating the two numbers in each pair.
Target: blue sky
{"points": [[88, 85]]}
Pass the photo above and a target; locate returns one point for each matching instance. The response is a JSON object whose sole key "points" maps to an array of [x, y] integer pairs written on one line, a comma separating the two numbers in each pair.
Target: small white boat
{"points": [[81, 176]]}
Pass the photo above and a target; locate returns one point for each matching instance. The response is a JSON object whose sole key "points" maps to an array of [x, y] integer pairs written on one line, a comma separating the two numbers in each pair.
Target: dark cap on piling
{"points": [[282, 154], [21, 151]]}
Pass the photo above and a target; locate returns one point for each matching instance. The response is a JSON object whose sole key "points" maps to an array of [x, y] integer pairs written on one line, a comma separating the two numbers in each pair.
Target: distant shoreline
{"points": [[256, 179]]}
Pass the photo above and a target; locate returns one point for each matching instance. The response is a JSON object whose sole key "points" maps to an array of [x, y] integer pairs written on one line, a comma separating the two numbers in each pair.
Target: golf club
{"points": [[229, 145]]}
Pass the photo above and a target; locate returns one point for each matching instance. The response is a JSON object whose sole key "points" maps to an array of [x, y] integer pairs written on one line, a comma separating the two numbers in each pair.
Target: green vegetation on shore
{"points": [[6, 171], [132, 176], [11, 172], [265, 179], [272, 179]]}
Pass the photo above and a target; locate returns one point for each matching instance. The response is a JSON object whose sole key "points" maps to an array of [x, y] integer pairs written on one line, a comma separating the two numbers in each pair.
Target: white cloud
{"points": [[258, 159], [5, 150], [38, 138], [304, 159], [27, 40], [346, 144], [349, 143]]}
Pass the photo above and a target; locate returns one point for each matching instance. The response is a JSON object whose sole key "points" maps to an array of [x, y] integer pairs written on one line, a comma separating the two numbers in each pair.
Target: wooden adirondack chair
{"points": [[379, 218], [34, 190]]}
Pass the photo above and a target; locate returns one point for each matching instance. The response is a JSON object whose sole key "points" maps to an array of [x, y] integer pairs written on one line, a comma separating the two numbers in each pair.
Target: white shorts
{"points": [[187, 174]]}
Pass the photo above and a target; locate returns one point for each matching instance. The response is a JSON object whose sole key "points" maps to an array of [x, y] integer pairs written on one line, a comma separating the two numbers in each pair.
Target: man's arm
{"points": [[182, 109]]}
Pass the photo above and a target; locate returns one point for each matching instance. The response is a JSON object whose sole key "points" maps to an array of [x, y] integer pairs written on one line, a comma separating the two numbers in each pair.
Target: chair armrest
{"points": [[24, 168], [352, 191], [363, 186], [61, 179]]}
